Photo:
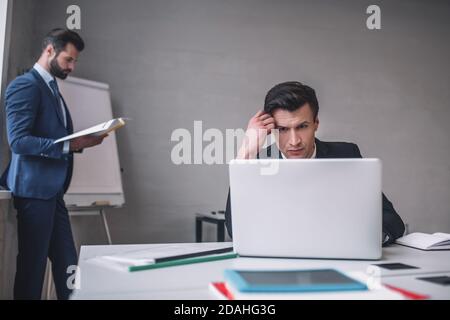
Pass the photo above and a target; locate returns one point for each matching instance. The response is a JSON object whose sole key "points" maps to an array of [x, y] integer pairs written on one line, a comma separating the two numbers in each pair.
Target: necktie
{"points": [[55, 89]]}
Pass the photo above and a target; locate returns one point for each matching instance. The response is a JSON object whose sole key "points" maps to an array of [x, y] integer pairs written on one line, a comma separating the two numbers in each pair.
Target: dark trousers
{"points": [[43, 231]]}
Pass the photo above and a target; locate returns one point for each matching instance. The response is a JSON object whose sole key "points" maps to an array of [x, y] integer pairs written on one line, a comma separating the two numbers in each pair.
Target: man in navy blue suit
{"points": [[40, 171], [292, 108]]}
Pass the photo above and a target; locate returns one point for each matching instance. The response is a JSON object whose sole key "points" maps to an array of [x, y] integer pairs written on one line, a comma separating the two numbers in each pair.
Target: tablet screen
{"points": [[296, 277]]}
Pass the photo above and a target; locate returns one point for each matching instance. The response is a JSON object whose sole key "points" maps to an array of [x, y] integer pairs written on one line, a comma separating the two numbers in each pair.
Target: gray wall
{"points": [[172, 62], [21, 31]]}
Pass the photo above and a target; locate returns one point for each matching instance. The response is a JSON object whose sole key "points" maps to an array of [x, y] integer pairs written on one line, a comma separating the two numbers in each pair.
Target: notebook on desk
{"points": [[227, 290], [283, 281], [164, 255], [425, 241]]}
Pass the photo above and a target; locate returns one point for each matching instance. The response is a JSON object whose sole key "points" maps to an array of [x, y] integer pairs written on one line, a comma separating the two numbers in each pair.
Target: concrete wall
{"points": [[172, 62]]}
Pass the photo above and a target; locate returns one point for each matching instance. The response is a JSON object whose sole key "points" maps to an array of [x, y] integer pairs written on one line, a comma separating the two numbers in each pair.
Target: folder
{"points": [[98, 130], [180, 262], [163, 256]]}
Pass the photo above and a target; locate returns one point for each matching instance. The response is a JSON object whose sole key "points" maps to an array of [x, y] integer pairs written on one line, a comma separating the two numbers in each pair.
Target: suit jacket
{"points": [[38, 168], [393, 225]]}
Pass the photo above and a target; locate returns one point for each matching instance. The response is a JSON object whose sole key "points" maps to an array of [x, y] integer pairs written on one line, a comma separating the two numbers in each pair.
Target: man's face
{"points": [[63, 63], [296, 131]]}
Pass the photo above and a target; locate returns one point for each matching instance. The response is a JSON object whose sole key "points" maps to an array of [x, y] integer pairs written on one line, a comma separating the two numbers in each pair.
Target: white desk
{"points": [[5, 195], [191, 281]]}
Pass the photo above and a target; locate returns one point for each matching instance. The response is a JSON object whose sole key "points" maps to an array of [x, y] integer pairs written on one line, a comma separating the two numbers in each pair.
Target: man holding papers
{"points": [[40, 170]]}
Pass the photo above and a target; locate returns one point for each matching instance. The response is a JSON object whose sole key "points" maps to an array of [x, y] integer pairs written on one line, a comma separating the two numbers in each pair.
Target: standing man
{"points": [[40, 171]]}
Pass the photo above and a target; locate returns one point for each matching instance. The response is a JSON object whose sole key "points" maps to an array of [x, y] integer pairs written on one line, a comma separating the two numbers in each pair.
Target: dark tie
{"points": [[55, 90]]}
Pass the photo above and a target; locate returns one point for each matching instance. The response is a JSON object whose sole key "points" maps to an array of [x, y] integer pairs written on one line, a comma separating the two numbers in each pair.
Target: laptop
{"points": [[307, 208]]}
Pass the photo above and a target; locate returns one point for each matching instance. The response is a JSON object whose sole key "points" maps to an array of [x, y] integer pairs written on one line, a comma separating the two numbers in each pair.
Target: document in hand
{"points": [[425, 241], [97, 130]]}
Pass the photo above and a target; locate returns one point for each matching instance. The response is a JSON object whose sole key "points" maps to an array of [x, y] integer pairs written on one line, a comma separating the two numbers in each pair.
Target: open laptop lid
{"points": [[309, 208]]}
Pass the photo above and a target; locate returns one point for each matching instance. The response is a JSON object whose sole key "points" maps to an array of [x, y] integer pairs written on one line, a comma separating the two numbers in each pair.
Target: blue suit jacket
{"points": [[38, 168]]}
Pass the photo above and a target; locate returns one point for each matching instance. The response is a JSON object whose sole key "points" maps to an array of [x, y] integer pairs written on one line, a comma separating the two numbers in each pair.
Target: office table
{"points": [[5, 195], [191, 282]]}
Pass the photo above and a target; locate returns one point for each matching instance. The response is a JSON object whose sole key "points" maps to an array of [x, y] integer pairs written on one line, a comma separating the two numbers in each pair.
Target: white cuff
{"points": [[66, 147]]}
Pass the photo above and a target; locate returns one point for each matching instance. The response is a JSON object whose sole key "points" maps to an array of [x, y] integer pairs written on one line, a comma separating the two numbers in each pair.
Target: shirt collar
{"points": [[43, 73], [312, 157]]}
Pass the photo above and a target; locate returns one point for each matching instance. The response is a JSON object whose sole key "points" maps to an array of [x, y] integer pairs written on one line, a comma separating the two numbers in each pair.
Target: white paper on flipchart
{"points": [[93, 179]]}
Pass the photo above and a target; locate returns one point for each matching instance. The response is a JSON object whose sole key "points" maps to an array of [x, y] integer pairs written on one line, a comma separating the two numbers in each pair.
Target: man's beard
{"points": [[56, 70]]}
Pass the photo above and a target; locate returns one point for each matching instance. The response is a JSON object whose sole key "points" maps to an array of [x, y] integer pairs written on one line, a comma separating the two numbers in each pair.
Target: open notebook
{"points": [[97, 130], [425, 241]]}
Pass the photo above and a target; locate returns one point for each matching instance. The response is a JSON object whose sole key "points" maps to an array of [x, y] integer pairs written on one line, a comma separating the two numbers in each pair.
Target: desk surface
{"points": [[191, 282], [5, 194]]}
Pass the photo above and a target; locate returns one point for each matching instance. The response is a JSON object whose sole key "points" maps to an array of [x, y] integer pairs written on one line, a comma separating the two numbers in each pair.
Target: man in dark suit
{"points": [[40, 171], [292, 108]]}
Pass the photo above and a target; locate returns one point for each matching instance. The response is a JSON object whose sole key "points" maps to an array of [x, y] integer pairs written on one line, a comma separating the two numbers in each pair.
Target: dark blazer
{"points": [[393, 225], [38, 168]]}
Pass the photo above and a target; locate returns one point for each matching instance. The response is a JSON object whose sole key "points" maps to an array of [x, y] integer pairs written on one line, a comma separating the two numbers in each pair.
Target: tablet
{"points": [[292, 280]]}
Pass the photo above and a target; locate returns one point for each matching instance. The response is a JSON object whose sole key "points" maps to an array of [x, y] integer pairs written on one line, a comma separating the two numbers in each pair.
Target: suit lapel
{"points": [[50, 94], [322, 149]]}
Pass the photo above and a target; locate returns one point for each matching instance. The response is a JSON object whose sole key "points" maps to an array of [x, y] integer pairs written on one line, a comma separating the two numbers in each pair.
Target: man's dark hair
{"points": [[59, 38], [291, 96]]}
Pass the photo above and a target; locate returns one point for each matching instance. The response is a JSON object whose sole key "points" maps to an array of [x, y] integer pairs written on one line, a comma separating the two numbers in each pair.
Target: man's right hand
{"points": [[259, 126], [86, 142]]}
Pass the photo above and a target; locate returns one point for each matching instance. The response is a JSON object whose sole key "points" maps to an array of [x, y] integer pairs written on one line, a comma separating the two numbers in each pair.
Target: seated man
{"points": [[292, 108]]}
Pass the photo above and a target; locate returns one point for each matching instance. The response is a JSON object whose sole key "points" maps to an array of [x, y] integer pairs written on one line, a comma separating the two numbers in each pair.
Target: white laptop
{"points": [[307, 208]]}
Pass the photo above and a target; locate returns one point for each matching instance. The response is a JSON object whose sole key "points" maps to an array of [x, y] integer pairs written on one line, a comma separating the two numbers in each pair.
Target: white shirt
{"points": [[47, 78]]}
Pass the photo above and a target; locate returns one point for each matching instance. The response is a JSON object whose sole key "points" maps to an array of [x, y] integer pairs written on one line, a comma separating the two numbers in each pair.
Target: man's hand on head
{"points": [[86, 142], [259, 126]]}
